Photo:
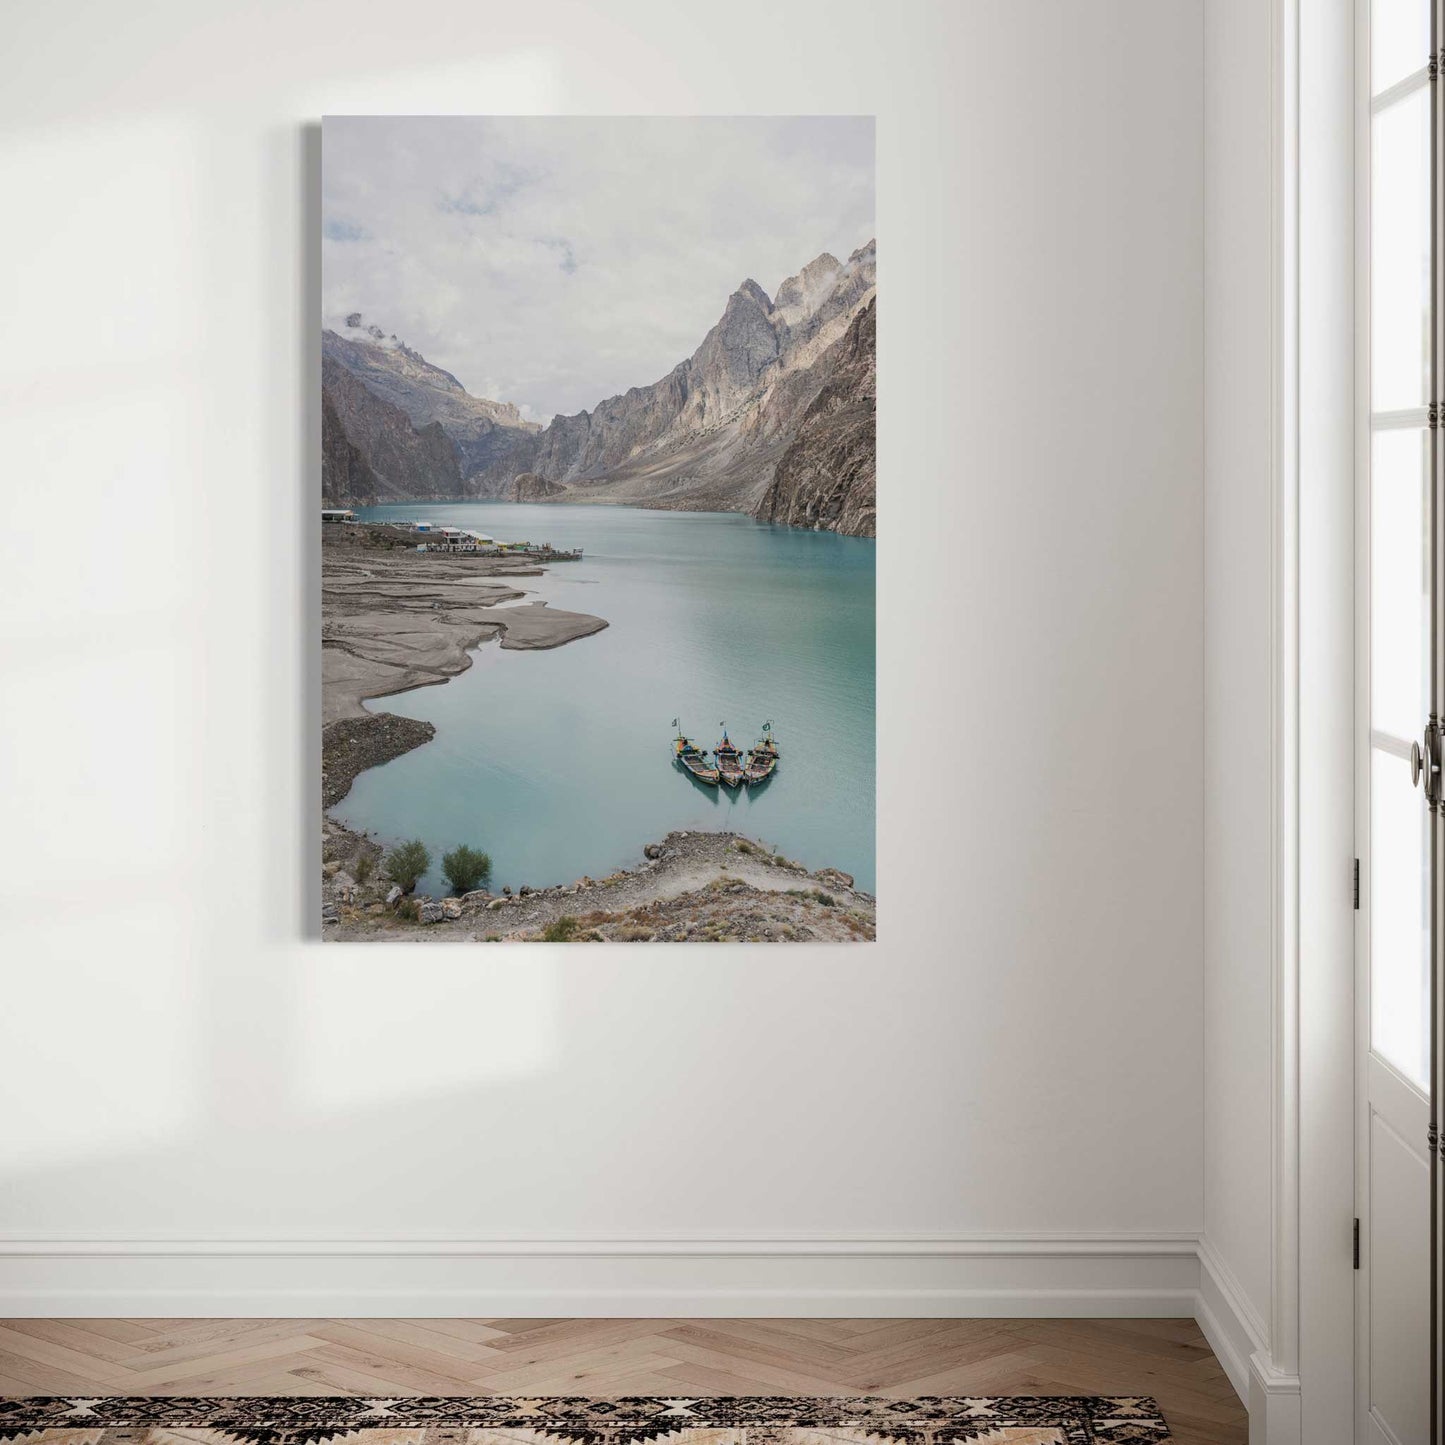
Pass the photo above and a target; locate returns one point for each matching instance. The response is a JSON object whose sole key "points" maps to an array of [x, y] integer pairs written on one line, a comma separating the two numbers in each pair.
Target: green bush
{"points": [[466, 868], [407, 862], [561, 931], [364, 865]]}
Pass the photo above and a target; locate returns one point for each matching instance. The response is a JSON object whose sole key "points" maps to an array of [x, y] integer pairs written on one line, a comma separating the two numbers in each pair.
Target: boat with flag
{"points": [[729, 760], [693, 758], [762, 757]]}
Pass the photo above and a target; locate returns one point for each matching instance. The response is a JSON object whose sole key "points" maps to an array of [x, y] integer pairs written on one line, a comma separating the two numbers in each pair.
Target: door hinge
{"points": [[1357, 882], [1357, 1244]]}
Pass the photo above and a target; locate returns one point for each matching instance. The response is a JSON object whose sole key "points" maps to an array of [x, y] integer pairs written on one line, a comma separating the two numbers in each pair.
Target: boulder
{"points": [[495, 904], [430, 912], [393, 895], [478, 896], [452, 907], [525, 890], [834, 876], [506, 891], [653, 850]]}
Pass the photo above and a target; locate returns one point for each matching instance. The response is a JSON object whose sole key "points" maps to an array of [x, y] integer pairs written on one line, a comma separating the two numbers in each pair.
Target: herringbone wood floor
{"points": [[1164, 1358]]}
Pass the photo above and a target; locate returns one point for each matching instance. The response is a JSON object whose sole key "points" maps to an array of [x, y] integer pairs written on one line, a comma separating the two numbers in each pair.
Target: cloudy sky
{"points": [[555, 261]]}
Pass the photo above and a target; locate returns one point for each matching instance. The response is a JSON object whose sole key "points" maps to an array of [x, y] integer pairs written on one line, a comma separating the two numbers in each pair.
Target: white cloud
{"points": [[555, 261]]}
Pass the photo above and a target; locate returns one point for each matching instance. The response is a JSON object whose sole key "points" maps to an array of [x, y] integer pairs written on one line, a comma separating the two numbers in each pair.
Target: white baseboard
{"points": [[1122, 1276], [986, 1275], [1240, 1339], [1230, 1323]]}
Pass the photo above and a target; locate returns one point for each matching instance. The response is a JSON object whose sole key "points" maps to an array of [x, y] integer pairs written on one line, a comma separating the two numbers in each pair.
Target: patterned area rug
{"points": [[311, 1420]]}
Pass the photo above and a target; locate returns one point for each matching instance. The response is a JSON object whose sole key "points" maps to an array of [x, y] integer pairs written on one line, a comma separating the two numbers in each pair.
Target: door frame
{"points": [[1306, 1375]]}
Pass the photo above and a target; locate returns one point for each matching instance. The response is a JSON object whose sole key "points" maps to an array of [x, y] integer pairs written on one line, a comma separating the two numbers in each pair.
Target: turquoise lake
{"points": [[559, 763]]}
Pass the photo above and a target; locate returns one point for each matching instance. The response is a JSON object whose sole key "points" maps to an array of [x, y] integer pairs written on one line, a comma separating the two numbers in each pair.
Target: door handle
{"points": [[1425, 762]]}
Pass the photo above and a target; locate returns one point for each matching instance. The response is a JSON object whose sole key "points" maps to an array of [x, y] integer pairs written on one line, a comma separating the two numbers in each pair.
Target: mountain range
{"points": [[772, 415]]}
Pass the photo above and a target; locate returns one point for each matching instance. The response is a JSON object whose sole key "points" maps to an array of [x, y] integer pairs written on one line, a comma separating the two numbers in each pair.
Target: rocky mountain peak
{"points": [[801, 295], [748, 296]]}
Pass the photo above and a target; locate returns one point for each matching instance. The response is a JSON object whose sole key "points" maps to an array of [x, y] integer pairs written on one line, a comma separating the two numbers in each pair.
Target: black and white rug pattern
{"points": [[495, 1420]]}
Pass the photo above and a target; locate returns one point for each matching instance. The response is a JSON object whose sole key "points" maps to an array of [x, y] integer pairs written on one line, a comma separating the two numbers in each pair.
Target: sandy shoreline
{"points": [[394, 619]]}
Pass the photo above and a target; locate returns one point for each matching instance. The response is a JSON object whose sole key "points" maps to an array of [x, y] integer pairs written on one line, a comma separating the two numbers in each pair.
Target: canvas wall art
{"points": [[598, 520]]}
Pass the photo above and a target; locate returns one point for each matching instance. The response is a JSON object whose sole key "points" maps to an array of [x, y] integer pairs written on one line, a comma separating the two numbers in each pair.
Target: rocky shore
{"points": [[689, 888], [350, 745]]}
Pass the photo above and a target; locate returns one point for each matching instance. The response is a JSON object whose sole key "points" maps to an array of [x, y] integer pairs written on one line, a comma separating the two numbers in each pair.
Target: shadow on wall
{"points": [[163, 778]]}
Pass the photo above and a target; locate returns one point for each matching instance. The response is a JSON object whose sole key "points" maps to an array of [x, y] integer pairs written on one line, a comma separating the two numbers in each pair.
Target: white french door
{"points": [[1399, 789]]}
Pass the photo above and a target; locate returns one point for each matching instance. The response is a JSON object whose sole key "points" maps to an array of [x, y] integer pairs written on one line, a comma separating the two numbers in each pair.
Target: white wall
{"points": [[1237, 582], [1021, 1053]]}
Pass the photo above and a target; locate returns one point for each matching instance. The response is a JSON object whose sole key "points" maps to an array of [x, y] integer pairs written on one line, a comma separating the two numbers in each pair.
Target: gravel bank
{"points": [[690, 888]]}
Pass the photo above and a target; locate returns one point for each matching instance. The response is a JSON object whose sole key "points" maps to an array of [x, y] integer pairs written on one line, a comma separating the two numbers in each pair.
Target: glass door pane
{"points": [[1399, 36], [1400, 584], [1400, 253]]}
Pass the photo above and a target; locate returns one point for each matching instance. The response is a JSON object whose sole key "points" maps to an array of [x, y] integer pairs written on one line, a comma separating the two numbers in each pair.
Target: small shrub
{"points": [[812, 895], [364, 865], [409, 909], [407, 862], [466, 868], [632, 933], [743, 846], [561, 930]]}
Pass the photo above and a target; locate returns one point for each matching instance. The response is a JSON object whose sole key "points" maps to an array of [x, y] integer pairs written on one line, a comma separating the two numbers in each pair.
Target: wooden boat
{"points": [[694, 759], [762, 757], [729, 762]]}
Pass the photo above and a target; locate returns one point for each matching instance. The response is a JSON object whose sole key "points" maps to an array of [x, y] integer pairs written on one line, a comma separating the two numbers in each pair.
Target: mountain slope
{"points": [[485, 433], [368, 440], [827, 478], [346, 475], [711, 429]]}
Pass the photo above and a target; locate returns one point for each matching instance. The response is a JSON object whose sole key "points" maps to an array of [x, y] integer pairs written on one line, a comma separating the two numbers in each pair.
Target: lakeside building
{"points": [[454, 539], [337, 514]]}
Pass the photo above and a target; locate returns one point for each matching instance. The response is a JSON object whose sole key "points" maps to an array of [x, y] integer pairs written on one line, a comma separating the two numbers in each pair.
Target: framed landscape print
{"points": [[598, 519]]}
